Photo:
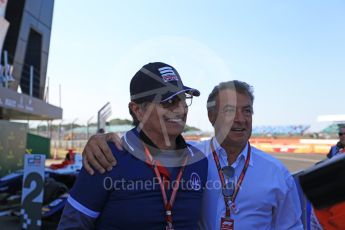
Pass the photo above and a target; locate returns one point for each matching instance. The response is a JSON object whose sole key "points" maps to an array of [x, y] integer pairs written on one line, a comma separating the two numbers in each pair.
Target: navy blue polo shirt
{"points": [[129, 196]]}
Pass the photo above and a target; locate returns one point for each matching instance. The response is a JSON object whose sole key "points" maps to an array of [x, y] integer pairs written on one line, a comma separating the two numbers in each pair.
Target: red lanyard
{"points": [[167, 205], [221, 176]]}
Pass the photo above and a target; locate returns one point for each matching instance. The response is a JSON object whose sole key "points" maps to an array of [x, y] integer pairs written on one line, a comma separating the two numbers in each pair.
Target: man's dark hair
{"points": [[239, 86], [135, 121]]}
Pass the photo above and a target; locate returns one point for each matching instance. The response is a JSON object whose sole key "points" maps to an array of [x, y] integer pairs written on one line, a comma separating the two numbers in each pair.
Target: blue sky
{"points": [[292, 52]]}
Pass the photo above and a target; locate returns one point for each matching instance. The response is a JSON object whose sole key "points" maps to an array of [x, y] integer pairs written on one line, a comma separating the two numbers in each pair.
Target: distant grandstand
{"points": [[270, 138], [330, 131], [265, 131], [280, 130]]}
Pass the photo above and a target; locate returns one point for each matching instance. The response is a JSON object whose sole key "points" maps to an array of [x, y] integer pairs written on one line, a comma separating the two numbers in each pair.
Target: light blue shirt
{"points": [[267, 199]]}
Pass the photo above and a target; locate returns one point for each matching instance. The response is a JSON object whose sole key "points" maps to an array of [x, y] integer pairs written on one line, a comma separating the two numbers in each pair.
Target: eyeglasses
{"points": [[186, 99], [229, 187], [340, 134]]}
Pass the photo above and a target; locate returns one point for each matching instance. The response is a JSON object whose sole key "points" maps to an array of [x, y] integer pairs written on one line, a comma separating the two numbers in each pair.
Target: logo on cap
{"points": [[168, 74]]}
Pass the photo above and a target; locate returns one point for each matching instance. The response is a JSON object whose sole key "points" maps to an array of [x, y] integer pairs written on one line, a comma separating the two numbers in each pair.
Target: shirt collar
{"points": [[133, 142], [243, 155], [219, 149], [180, 142]]}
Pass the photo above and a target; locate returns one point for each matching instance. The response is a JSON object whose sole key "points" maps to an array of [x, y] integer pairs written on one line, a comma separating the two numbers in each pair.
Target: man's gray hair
{"points": [[239, 86]]}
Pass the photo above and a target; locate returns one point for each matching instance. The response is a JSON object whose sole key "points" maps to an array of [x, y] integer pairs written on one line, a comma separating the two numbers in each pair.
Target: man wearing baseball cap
{"points": [[159, 179], [256, 190]]}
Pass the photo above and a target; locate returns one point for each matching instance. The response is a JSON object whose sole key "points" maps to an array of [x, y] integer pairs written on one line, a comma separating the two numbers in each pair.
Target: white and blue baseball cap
{"points": [[158, 82]]}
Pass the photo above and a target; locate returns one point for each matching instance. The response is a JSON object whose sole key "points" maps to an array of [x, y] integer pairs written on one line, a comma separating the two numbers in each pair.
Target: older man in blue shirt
{"points": [[246, 188]]}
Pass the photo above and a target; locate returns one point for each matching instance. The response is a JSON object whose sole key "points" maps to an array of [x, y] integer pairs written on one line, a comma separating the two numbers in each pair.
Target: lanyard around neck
{"points": [[167, 204], [221, 177]]}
